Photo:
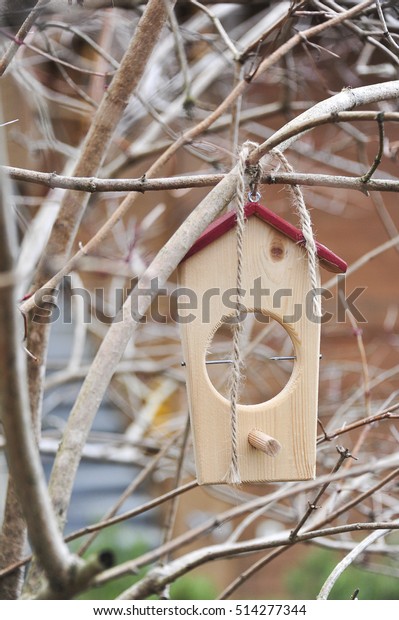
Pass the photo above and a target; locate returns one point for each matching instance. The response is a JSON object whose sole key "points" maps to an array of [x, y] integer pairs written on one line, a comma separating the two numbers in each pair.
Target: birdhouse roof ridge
{"points": [[224, 223]]}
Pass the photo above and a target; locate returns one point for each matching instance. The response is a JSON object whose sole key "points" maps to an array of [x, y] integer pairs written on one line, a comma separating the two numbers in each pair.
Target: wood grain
{"points": [[290, 416]]}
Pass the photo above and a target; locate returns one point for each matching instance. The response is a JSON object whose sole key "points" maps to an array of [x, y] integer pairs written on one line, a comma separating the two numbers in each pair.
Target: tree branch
{"points": [[157, 578], [12, 543], [101, 525], [236, 511], [347, 561], [91, 184], [21, 35], [378, 417], [73, 204], [22, 453], [325, 111]]}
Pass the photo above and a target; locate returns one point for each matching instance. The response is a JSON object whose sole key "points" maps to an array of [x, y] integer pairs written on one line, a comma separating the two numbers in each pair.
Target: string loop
{"points": [[307, 231]]}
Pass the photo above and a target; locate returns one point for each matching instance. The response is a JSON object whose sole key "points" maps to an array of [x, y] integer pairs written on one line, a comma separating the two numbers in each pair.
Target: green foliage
{"points": [[305, 582], [125, 546], [191, 587]]}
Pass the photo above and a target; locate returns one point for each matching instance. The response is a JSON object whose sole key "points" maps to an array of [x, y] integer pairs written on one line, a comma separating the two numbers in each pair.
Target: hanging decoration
{"points": [[251, 260]]}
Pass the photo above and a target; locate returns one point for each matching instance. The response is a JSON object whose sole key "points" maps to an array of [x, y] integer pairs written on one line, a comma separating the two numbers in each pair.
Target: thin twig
{"points": [[312, 506], [174, 504], [181, 54], [61, 68], [216, 22], [359, 31], [357, 331], [21, 35], [359, 499], [378, 157], [386, 32], [383, 415], [85, 37], [249, 572], [134, 512], [130, 489], [236, 114], [363, 260], [59, 61]]}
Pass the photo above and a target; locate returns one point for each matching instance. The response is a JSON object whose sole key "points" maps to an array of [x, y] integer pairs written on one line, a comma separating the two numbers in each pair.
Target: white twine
{"points": [[307, 231], [233, 474]]}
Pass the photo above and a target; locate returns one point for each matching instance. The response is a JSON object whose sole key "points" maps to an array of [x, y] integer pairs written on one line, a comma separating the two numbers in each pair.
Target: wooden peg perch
{"points": [[263, 442]]}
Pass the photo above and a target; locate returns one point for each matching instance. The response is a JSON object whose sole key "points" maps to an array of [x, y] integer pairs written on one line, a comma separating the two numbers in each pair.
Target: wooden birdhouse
{"points": [[276, 438]]}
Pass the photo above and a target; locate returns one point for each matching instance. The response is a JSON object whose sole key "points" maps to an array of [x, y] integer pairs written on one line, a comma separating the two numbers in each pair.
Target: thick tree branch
{"points": [[22, 453], [92, 153]]}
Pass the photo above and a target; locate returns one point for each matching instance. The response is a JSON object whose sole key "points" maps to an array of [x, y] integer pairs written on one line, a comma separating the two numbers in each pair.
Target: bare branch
{"points": [[216, 22], [387, 34], [142, 185], [157, 578], [245, 508], [378, 417], [347, 561], [23, 457], [347, 99], [21, 35], [12, 544], [312, 506]]}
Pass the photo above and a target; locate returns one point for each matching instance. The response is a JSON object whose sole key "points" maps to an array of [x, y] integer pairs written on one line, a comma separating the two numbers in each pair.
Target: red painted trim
{"points": [[219, 227]]}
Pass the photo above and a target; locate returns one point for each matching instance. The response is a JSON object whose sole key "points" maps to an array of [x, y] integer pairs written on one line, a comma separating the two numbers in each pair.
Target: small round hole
{"points": [[267, 353]]}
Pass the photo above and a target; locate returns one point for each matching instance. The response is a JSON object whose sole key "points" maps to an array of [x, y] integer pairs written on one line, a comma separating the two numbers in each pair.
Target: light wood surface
{"points": [[290, 416], [260, 441]]}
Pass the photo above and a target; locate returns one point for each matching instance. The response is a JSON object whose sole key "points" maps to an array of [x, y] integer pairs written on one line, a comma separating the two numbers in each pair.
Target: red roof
{"points": [[328, 259]]}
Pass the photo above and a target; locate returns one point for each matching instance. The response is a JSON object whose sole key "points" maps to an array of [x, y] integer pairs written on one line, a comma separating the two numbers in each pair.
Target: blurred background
{"points": [[49, 95]]}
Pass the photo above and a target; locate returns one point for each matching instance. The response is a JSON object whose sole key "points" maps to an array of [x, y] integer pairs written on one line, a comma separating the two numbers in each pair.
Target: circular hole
{"points": [[263, 339]]}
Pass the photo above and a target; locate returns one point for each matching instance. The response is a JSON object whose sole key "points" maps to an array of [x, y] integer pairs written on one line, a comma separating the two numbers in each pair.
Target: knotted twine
{"points": [[253, 172]]}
